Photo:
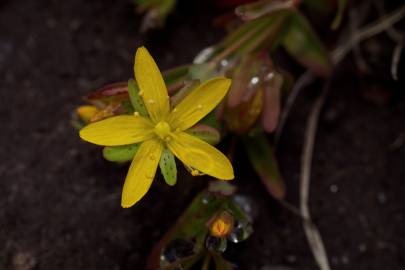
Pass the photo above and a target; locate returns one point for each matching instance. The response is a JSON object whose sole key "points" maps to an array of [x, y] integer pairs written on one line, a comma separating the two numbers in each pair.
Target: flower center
{"points": [[162, 129]]}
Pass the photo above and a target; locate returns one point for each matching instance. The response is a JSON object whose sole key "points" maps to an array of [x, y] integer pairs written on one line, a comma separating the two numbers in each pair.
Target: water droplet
{"points": [[269, 76], [152, 157], [204, 55], [240, 232], [362, 247], [254, 82], [246, 204], [381, 198], [150, 175], [224, 63], [175, 110], [140, 93], [195, 172], [175, 250], [199, 107], [136, 113], [167, 139], [345, 259], [334, 188], [206, 198], [215, 243], [151, 101]]}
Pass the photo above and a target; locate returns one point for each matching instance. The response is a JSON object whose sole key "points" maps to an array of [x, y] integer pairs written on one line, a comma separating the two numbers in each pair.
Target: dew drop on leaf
{"points": [[240, 232], [215, 244]]}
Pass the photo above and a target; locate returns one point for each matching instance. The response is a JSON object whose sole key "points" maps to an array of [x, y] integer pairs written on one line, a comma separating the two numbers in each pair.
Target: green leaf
{"points": [[201, 72], [168, 167], [259, 8], [318, 6], [221, 263], [211, 120], [205, 133], [301, 43], [175, 75], [135, 98], [261, 156], [191, 227], [122, 153], [339, 14]]}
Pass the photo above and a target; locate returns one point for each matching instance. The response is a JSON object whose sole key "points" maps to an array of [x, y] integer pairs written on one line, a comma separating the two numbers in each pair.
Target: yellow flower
{"points": [[221, 225], [164, 128]]}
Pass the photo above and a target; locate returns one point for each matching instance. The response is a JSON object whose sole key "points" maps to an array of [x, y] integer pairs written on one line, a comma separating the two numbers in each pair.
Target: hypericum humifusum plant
{"points": [[162, 128]]}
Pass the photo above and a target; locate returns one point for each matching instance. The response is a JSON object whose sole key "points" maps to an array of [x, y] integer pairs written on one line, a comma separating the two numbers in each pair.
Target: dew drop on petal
{"points": [[151, 101]]}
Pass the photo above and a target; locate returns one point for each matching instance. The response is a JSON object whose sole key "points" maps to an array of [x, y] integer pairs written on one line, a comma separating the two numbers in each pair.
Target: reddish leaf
{"points": [[272, 102], [261, 156]]}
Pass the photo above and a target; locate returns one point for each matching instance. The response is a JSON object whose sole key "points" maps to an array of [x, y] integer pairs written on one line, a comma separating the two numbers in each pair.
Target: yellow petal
{"points": [[198, 103], [200, 155], [141, 172], [118, 130], [151, 84]]}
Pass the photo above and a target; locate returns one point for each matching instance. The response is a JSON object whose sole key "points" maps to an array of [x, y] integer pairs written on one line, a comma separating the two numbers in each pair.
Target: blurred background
{"points": [[60, 200]]}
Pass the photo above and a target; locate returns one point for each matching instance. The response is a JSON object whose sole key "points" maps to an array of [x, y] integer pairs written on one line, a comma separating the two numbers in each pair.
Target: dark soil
{"points": [[60, 201]]}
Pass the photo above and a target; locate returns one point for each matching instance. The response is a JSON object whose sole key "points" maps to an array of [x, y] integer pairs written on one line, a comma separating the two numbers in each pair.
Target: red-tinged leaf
{"points": [[241, 118], [302, 44], [232, 3], [117, 90], [272, 103], [241, 79], [261, 156], [257, 9]]}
